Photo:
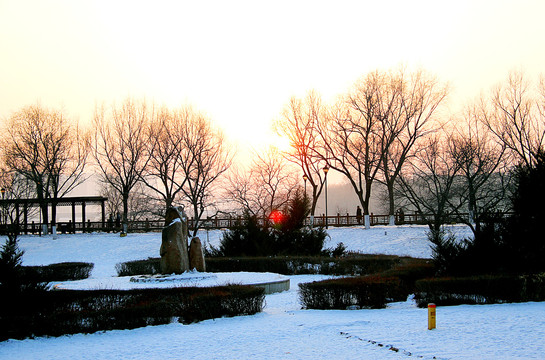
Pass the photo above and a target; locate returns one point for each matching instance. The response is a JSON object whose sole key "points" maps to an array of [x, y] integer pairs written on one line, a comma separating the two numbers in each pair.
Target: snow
{"points": [[175, 220], [284, 330], [188, 279]]}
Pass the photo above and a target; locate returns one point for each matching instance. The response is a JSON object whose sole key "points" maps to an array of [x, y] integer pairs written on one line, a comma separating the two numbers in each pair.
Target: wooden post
{"points": [[73, 229], [83, 216]]}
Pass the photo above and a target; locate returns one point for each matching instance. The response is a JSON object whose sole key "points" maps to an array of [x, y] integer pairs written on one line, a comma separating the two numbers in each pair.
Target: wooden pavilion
{"points": [[22, 206]]}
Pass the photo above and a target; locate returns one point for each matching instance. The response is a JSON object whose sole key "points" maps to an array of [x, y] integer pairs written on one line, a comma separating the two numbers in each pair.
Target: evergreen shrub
{"points": [[511, 245], [288, 237]]}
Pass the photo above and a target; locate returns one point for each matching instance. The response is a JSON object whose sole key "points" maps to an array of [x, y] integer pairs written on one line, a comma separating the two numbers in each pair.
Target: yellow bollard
{"points": [[431, 316]]}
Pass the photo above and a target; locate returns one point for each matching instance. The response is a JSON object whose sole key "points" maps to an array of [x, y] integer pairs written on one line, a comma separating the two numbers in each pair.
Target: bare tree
{"points": [[67, 162], [481, 165], [114, 205], [241, 191], [208, 158], [265, 187], [431, 182], [407, 104], [140, 207], [352, 139], [170, 156], [515, 117], [299, 123], [48, 150], [121, 149], [14, 186]]}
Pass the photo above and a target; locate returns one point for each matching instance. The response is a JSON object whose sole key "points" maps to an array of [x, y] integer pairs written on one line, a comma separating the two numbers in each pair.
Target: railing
{"points": [[227, 223]]}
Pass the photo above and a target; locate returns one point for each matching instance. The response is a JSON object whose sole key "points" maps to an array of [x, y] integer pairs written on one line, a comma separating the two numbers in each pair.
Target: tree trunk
{"points": [[168, 203], [196, 218], [391, 200], [314, 203], [45, 217], [365, 205], [125, 218], [54, 217]]}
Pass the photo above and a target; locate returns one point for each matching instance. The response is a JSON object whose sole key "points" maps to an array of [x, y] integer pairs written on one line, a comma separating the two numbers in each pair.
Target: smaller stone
{"points": [[196, 255]]}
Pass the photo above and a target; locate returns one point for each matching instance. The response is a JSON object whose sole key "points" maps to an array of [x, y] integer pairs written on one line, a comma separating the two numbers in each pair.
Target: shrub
{"points": [[522, 237], [151, 266], [500, 246], [292, 237], [11, 273], [72, 311], [288, 237], [408, 272], [338, 251], [446, 251], [287, 265], [364, 292], [18, 292], [221, 301], [65, 271], [302, 241], [484, 289], [247, 238], [482, 255]]}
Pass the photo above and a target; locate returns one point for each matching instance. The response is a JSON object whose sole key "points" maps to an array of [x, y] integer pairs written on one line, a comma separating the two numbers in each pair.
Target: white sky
{"points": [[241, 61]]}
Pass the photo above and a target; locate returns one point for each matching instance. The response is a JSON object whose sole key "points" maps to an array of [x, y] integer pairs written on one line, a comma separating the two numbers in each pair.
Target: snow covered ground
{"points": [[283, 330]]}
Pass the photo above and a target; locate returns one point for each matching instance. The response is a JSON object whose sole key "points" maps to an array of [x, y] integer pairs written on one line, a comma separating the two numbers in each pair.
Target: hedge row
{"points": [[480, 289], [286, 265], [62, 312], [409, 272], [363, 292], [150, 266], [65, 271], [373, 291]]}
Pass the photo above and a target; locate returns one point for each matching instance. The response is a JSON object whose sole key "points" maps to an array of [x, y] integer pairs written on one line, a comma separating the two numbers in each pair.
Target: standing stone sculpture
{"points": [[174, 254], [196, 255]]}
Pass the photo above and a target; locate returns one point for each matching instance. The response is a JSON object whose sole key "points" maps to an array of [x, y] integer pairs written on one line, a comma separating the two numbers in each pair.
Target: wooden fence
{"points": [[229, 222]]}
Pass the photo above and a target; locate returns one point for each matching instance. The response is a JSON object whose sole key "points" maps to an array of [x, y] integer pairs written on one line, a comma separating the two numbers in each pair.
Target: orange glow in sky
{"points": [[241, 61]]}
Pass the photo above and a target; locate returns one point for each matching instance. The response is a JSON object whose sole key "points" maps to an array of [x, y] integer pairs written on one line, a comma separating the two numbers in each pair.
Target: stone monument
{"points": [[174, 254], [175, 257]]}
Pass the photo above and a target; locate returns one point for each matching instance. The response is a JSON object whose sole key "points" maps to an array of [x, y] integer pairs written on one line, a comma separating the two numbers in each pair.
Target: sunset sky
{"points": [[241, 61]]}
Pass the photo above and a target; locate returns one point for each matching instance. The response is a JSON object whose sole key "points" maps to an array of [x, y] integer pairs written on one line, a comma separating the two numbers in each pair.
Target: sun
{"points": [[281, 143]]}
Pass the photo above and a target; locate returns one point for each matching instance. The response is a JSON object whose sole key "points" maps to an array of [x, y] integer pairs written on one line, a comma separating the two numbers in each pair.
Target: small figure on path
{"points": [[358, 214], [110, 222]]}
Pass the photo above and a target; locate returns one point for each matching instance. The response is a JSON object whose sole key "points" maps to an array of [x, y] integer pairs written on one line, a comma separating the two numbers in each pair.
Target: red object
{"points": [[276, 217]]}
